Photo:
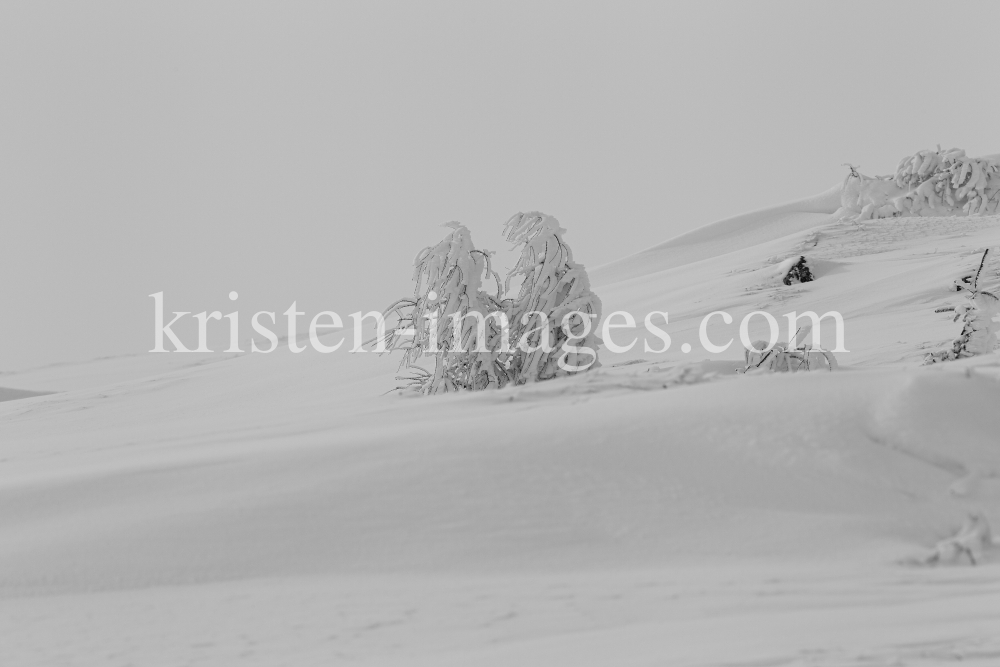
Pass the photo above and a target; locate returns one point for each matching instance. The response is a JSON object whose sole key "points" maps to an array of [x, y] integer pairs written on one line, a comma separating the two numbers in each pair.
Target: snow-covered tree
{"points": [[477, 340], [979, 331], [555, 314], [451, 319], [943, 182]]}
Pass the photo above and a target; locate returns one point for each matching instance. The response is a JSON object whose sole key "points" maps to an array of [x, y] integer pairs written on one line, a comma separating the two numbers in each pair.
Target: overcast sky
{"points": [[307, 151]]}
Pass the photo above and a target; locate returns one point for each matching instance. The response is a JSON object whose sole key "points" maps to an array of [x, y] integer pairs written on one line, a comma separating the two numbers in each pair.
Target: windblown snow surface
{"points": [[280, 510]]}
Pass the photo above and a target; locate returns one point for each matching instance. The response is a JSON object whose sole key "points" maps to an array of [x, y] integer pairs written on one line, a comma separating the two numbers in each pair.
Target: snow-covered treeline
{"points": [[928, 183]]}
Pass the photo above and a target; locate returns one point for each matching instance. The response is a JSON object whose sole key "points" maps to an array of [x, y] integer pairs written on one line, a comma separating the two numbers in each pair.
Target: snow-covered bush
{"points": [[866, 197], [979, 331], [545, 332], [930, 182], [795, 270], [971, 541], [554, 316], [942, 182], [783, 359], [448, 281]]}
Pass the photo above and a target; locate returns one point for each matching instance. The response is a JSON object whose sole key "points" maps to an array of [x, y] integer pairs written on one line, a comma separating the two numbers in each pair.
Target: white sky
{"points": [[307, 151]]}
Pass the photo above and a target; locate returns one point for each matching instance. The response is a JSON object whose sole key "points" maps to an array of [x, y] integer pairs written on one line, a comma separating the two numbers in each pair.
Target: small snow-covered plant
{"points": [[972, 540], [979, 331], [554, 315], [452, 319], [783, 358], [796, 270]]}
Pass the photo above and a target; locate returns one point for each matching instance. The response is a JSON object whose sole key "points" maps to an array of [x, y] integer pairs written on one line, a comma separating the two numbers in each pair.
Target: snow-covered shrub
{"points": [[941, 182], [963, 282], [866, 197], [546, 332], [783, 359], [930, 182], [979, 331], [448, 281], [972, 540], [795, 270], [555, 306]]}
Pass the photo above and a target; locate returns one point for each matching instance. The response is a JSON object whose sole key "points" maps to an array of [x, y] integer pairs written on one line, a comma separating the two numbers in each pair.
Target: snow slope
{"points": [[724, 236], [14, 394], [279, 509]]}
